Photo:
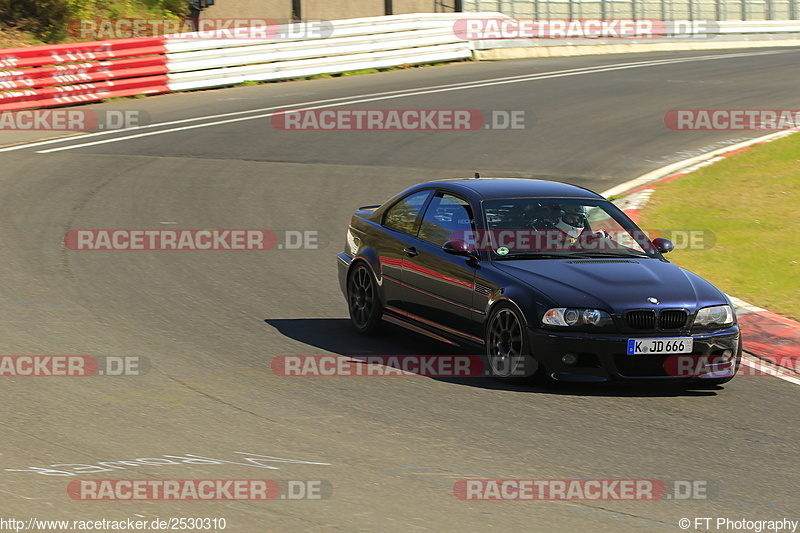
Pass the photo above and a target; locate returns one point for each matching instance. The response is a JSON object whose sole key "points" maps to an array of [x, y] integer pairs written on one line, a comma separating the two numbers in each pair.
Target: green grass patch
{"points": [[751, 203], [360, 72], [121, 98]]}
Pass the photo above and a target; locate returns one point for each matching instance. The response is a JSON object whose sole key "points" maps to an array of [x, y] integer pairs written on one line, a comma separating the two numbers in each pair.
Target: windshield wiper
{"points": [[577, 254], [611, 253], [539, 255]]}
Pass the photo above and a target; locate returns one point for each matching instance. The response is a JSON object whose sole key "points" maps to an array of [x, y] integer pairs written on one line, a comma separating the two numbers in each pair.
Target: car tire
{"points": [[363, 300], [508, 349]]}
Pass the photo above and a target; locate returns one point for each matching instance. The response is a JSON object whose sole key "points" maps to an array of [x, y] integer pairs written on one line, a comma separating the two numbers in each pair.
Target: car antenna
{"points": [[476, 176]]}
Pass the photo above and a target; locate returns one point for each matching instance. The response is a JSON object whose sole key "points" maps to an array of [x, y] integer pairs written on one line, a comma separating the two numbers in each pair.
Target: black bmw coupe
{"points": [[552, 280]]}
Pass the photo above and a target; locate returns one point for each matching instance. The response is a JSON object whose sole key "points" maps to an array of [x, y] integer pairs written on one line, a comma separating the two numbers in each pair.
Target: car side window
{"points": [[447, 217], [403, 215]]}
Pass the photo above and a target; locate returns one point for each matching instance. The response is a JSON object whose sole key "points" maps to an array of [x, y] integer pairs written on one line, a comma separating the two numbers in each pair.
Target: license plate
{"points": [[660, 346]]}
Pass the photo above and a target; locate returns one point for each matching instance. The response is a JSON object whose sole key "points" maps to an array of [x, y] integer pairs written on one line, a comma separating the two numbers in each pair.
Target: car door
{"points": [[439, 287], [400, 224]]}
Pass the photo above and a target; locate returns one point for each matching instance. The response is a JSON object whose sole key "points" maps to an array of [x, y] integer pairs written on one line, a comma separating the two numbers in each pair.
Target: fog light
{"points": [[569, 359]]}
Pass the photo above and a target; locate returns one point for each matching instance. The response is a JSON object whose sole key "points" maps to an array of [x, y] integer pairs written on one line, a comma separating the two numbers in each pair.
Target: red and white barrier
{"points": [[62, 74]]}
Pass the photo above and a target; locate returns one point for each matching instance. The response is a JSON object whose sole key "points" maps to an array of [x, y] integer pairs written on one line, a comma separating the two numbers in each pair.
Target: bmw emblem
{"points": [[652, 300]]}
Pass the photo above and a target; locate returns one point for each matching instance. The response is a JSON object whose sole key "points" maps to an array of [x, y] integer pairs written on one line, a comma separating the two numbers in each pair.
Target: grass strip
{"points": [[748, 207]]}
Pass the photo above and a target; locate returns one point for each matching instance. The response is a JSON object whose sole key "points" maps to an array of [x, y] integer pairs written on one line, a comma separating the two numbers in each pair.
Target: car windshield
{"points": [[548, 228]]}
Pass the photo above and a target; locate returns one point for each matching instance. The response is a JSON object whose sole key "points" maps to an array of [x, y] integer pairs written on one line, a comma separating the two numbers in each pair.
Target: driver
{"points": [[573, 221], [573, 231]]}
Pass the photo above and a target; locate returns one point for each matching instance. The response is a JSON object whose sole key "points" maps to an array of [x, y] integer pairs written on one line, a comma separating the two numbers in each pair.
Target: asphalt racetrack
{"points": [[385, 451]]}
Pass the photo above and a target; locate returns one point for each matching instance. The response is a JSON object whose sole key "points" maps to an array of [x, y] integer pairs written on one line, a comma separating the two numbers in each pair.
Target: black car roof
{"points": [[488, 188]]}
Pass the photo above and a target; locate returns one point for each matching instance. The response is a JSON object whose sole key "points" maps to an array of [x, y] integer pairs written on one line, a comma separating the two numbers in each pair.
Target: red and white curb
{"points": [[773, 341]]}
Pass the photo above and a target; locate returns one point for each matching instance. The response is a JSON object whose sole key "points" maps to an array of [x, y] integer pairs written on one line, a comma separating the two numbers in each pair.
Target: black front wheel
{"points": [[507, 347], [363, 301]]}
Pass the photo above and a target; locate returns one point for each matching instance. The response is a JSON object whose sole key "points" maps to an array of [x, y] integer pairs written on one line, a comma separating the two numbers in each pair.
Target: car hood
{"points": [[614, 284]]}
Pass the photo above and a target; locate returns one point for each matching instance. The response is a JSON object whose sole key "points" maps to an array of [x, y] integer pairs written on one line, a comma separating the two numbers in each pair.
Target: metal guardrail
{"points": [[762, 26], [310, 67], [667, 10], [375, 42]]}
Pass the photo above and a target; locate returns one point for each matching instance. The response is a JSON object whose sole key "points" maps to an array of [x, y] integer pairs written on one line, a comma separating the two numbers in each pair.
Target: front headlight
{"points": [[718, 315], [570, 316]]}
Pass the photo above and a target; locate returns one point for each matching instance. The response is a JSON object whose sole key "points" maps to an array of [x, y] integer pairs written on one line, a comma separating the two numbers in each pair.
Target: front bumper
{"points": [[716, 354], [343, 261]]}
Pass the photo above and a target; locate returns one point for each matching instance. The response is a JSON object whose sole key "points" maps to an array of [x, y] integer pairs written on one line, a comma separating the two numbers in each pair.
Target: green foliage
{"points": [[47, 20]]}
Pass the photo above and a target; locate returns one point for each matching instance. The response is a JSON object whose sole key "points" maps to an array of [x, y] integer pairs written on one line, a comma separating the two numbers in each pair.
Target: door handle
{"points": [[411, 251]]}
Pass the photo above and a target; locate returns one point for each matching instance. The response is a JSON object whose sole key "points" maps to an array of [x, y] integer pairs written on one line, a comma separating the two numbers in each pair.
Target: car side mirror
{"points": [[459, 247], [663, 245]]}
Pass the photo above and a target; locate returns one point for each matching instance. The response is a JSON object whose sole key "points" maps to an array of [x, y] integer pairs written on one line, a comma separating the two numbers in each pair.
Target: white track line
{"points": [[343, 101]]}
